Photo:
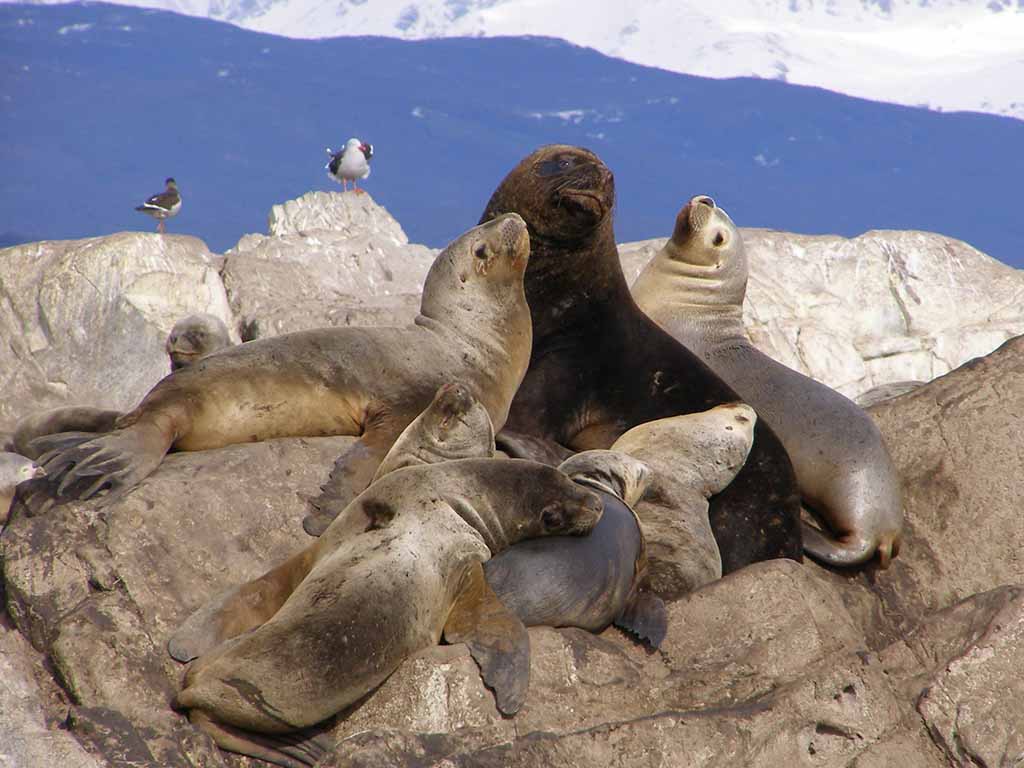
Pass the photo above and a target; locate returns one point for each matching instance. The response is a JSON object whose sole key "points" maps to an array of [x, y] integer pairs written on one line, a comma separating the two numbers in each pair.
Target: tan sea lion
{"points": [[400, 566], [691, 458], [474, 327], [694, 289], [194, 337], [15, 469], [600, 366]]}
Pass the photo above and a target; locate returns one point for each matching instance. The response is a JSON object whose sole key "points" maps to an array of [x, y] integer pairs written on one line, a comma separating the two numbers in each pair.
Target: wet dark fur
{"points": [[598, 360]]}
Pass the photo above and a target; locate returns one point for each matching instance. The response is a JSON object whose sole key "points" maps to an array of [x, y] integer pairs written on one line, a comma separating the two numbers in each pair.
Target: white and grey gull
{"points": [[350, 163]]}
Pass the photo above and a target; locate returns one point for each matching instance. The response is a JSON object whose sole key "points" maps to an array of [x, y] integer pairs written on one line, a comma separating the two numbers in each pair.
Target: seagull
{"points": [[163, 205], [14, 470], [350, 163]]}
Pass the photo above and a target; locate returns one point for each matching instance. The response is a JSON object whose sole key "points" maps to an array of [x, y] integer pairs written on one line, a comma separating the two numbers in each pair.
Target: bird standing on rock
{"points": [[163, 205], [15, 469], [349, 163]]}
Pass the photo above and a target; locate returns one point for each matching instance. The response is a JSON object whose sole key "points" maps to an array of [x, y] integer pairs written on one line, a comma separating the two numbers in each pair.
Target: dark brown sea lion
{"points": [[400, 566], [600, 366], [474, 327], [694, 288]]}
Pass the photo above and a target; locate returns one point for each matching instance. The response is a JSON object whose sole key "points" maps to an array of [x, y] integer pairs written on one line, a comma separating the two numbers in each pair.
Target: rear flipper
{"points": [[297, 749], [497, 640], [645, 617], [846, 551], [239, 609], [350, 476], [79, 465]]}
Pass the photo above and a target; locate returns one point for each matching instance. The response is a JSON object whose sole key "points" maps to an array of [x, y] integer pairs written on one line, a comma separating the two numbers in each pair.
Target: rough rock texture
{"points": [[885, 306], [330, 259], [83, 322]]}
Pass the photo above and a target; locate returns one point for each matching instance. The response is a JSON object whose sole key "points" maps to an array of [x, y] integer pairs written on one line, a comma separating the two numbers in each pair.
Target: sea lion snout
{"points": [[506, 236], [575, 515]]}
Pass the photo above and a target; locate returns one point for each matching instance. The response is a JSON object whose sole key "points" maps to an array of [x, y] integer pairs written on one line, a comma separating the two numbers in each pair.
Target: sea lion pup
{"points": [[194, 337], [692, 458], [397, 569], [588, 581], [190, 339], [474, 326], [694, 289], [600, 366], [15, 469]]}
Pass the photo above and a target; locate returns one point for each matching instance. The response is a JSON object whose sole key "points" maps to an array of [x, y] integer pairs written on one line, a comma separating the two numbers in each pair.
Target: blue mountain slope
{"points": [[93, 118]]}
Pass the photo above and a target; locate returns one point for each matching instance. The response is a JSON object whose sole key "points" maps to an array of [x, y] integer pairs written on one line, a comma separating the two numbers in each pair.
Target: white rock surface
{"points": [[859, 312], [84, 321], [331, 259]]}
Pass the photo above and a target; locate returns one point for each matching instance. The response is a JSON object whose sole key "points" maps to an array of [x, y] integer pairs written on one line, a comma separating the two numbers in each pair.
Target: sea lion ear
{"points": [[380, 513], [646, 617], [497, 640]]}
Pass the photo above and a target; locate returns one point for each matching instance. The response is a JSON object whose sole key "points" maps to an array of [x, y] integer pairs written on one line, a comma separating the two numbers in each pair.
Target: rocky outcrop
{"points": [[861, 312], [776, 663], [330, 259], [84, 321]]}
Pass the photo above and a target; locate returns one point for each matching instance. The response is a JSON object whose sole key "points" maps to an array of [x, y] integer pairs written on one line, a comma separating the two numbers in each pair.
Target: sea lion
{"points": [[400, 566], [474, 327], [587, 581], [694, 289], [692, 458], [454, 426], [190, 339], [15, 469], [194, 337], [600, 366]]}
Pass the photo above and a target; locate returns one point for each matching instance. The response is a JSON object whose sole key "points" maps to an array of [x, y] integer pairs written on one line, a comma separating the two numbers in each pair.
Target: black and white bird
{"points": [[163, 205], [349, 163]]}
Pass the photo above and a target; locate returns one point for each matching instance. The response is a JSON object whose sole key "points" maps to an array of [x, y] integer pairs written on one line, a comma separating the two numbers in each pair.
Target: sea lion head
{"points": [[563, 192], [556, 505], [194, 337], [705, 236], [488, 259], [611, 471], [456, 422]]}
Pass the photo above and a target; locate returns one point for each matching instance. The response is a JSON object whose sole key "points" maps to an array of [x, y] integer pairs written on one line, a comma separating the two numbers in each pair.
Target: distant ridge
{"points": [[124, 97]]}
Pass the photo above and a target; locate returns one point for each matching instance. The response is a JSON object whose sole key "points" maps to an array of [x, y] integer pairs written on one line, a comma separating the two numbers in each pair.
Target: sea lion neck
{"points": [[568, 282]]}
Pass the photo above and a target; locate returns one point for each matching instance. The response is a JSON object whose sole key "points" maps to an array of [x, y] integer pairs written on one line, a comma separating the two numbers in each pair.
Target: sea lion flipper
{"points": [[239, 609], [838, 552], [79, 465], [518, 445], [352, 472], [496, 638], [298, 749], [646, 617]]}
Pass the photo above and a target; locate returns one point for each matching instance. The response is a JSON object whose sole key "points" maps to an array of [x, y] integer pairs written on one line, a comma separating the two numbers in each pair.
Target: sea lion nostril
{"points": [[705, 200]]}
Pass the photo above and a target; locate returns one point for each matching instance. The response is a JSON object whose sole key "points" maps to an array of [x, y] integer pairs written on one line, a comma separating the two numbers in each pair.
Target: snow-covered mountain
{"points": [[944, 54]]}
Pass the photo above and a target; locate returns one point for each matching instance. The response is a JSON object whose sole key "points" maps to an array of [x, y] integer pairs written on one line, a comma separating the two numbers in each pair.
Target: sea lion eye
{"points": [[552, 167], [481, 251], [719, 239], [552, 518]]}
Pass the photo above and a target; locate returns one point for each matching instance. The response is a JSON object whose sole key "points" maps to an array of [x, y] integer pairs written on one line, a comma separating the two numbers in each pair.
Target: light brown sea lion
{"points": [[474, 327], [194, 337], [692, 458], [398, 567], [600, 366], [694, 289]]}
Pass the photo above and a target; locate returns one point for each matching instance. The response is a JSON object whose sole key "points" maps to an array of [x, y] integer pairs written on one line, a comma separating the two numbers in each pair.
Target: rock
{"points": [[344, 255], [84, 321], [956, 445], [856, 313], [99, 586]]}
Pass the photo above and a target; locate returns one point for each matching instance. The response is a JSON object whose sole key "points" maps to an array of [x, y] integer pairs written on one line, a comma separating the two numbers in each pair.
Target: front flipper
{"points": [[79, 465], [350, 476], [497, 640], [240, 609], [298, 749], [646, 617], [518, 445]]}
